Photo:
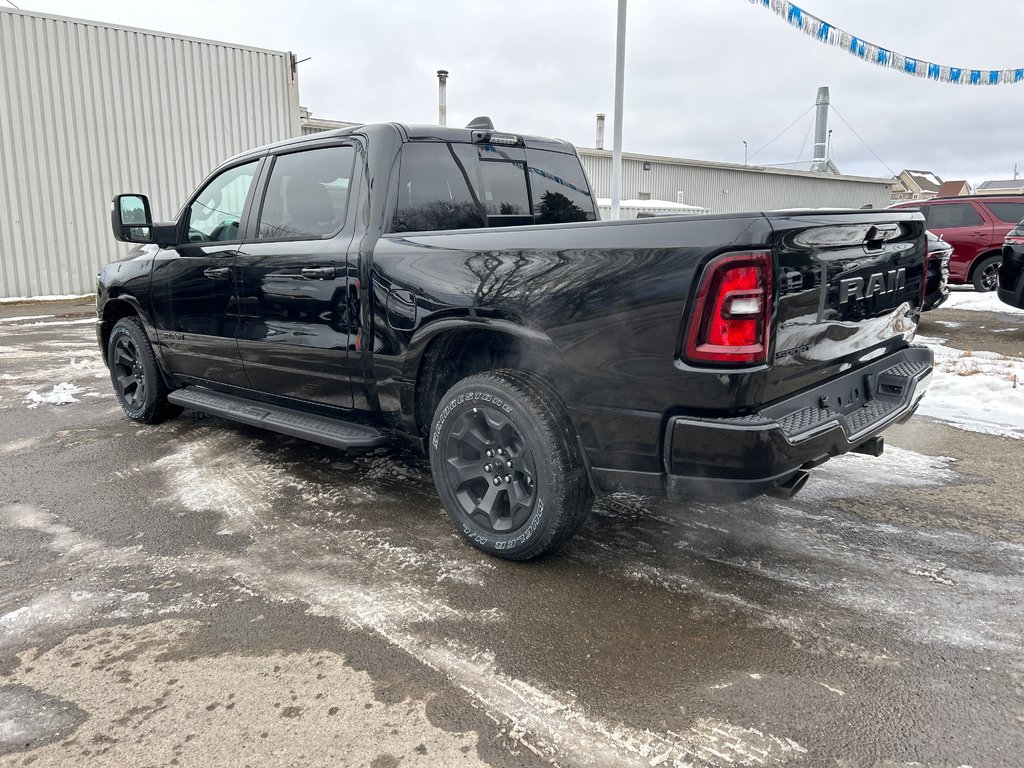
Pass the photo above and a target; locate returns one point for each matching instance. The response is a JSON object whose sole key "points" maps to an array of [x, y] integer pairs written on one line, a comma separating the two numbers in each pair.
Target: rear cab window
{"points": [[469, 186], [560, 190]]}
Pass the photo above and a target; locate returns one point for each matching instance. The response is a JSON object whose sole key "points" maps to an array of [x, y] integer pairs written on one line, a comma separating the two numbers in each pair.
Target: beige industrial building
{"points": [[90, 109], [728, 187]]}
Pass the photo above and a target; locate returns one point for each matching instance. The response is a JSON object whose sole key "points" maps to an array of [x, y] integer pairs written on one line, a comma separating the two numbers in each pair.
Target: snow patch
{"points": [[61, 394], [977, 391], [86, 321], [46, 612], [553, 726], [976, 301], [62, 297], [24, 317]]}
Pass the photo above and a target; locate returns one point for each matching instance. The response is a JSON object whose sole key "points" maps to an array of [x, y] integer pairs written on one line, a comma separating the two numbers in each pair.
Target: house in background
{"points": [[1006, 187], [916, 185], [955, 189]]}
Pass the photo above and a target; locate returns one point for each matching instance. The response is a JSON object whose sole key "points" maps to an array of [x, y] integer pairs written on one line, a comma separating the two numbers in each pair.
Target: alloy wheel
{"points": [[990, 277], [129, 375], [490, 470]]}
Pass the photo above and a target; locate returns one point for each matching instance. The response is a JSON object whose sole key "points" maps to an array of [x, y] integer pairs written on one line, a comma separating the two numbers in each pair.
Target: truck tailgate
{"points": [[849, 291]]}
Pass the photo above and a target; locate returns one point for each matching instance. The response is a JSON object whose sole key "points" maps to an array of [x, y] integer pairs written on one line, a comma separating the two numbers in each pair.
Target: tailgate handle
{"points": [[878, 234]]}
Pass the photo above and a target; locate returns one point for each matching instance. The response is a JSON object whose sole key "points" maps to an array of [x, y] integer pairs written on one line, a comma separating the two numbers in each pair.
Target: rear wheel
{"points": [[507, 465], [986, 273], [135, 374]]}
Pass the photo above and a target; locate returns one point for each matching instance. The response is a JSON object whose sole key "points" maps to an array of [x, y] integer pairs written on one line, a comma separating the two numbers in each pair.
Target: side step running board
{"points": [[337, 434]]}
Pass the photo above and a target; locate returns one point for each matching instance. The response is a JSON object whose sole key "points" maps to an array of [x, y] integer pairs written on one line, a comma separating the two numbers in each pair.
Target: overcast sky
{"points": [[701, 75]]}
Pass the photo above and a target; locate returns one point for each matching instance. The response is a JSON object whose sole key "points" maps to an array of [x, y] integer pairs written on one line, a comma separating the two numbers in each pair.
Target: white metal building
{"points": [[88, 110], [728, 187]]}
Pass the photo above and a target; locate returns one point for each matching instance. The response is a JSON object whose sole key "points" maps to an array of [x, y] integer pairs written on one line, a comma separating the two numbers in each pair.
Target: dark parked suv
{"points": [[975, 227], [1011, 272]]}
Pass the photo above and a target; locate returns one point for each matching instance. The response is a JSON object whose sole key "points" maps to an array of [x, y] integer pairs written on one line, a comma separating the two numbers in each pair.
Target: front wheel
{"points": [[135, 374], [986, 274], [507, 465]]}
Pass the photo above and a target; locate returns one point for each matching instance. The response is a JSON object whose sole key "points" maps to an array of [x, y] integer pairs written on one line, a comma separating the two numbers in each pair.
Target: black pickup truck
{"points": [[454, 287]]}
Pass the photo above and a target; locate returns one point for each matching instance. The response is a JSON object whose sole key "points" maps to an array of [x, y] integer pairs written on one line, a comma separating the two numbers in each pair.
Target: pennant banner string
{"points": [[875, 54]]}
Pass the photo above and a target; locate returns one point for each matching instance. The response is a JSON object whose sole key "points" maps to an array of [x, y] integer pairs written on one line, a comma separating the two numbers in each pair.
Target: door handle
{"points": [[318, 273], [217, 273]]}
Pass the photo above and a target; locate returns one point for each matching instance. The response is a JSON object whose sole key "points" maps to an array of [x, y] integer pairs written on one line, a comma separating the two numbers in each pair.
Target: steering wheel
{"points": [[223, 228]]}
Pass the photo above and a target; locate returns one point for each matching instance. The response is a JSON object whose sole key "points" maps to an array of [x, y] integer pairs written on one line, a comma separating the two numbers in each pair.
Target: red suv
{"points": [[975, 227]]}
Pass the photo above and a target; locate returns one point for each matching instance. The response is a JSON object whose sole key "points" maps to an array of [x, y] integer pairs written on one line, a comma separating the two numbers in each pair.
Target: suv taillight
{"points": [[732, 311]]}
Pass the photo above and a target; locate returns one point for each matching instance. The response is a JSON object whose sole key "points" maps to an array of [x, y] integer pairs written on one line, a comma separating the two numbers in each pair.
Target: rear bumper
{"points": [[740, 457], [1013, 298]]}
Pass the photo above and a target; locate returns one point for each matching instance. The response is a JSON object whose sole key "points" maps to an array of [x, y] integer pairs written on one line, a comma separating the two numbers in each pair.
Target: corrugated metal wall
{"points": [[89, 110], [731, 189]]}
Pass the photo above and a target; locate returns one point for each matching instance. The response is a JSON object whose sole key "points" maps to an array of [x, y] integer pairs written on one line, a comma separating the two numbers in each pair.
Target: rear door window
{"points": [[559, 188], [307, 194], [951, 216], [434, 192], [1008, 212]]}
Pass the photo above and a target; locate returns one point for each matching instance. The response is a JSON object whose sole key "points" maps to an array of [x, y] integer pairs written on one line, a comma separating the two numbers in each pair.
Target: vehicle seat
{"points": [[308, 207]]}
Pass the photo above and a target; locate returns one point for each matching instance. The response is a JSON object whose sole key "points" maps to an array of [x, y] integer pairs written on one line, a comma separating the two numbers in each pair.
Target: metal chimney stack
{"points": [[599, 144], [820, 163], [442, 96]]}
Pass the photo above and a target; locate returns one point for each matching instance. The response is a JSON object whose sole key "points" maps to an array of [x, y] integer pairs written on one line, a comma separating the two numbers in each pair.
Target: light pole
{"points": [[744, 153], [620, 63]]}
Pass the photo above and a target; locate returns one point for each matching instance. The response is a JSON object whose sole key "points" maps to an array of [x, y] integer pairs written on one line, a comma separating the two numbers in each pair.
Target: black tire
{"points": [[986, 274], [134, 372], [543, 494]]}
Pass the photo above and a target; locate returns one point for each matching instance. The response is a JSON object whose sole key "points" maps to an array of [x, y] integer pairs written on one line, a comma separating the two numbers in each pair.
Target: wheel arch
{"points": [[449, 350], [119, 307], [980, 258], [115, 309]]}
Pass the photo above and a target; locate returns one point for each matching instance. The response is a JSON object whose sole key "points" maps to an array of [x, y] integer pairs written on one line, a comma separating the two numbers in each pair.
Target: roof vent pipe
{"points": [[599, 144], [820, 164], [442, 96]]}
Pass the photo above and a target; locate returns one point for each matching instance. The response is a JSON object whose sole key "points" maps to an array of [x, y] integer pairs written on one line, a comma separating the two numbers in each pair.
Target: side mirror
{"points": [[132, 222], [130, 218]]}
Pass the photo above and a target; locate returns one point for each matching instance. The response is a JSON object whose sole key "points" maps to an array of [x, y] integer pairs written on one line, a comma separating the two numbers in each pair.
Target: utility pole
{"points": [[744, 153], [620, 63]]}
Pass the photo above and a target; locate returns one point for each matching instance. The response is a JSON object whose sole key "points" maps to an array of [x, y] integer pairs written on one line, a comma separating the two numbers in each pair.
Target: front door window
{"points": [[216, 214]]}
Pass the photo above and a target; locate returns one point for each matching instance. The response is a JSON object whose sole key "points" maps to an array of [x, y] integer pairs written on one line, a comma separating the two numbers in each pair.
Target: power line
{"points": [[890, 170], [762, 149], [13, 5], [804, 143]]}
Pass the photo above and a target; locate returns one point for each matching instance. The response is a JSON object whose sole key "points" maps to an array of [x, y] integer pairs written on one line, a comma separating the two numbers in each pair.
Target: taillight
{"points": [[1014, 240], [732, 311]]}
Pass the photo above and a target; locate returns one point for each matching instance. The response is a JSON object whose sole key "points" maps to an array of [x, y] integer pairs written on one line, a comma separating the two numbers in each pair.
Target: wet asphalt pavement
{"points": [[199, 593]]}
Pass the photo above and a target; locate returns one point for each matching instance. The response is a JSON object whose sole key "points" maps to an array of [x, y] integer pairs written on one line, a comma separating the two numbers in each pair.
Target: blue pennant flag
{"points": [[829, 34]]}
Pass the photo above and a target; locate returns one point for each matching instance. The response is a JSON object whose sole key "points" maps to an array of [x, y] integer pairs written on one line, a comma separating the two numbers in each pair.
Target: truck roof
{"points": [[410, 133], [471, 135]]}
